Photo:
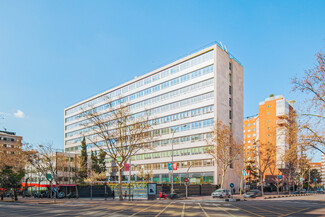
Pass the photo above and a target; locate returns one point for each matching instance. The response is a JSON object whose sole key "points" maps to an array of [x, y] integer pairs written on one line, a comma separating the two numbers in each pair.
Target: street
{"points": [[313, 205]]}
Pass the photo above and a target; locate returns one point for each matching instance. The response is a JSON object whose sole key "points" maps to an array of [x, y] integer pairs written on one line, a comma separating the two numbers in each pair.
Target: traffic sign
{"points": [[247, 173], [243, 172], [186, 179], [280, 177], [49, 176], [232, 185], [170, 166], [55, 189]]}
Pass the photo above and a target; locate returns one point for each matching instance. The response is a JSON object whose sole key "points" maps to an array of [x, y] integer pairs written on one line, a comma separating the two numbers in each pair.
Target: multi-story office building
{"points": [[187, 96], [267, 128]]}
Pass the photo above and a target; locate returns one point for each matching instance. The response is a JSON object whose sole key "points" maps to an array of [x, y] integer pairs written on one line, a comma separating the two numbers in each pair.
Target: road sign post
{"points": [[55, 190]]}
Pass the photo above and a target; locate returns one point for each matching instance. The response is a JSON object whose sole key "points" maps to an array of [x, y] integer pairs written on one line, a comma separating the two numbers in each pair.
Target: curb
{"points": [[232, 200], [287, 195]]}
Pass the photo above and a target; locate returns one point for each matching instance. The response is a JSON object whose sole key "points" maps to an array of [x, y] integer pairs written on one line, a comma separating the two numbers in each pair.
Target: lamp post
{"points": [[172, 190]]}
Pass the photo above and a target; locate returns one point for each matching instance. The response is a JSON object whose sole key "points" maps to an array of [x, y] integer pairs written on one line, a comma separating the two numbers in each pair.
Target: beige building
{"points": [[184, 99]]}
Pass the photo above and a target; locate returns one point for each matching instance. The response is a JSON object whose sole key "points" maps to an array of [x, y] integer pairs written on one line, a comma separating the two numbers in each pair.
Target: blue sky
{"points": [[56, 53]]}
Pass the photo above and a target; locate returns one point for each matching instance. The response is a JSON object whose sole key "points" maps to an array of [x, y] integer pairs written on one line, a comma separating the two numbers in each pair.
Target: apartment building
{"points": [[10, 147], [187, 96], [266, 128]]}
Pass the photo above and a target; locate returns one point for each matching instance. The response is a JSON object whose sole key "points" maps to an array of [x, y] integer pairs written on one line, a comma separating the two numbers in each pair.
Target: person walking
{"points": [[113, 194]]}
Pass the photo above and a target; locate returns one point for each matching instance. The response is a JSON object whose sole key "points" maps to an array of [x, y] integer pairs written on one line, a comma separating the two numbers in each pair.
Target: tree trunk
{"points": [[261, 184], [120, 183], [241, 184], [223, 177], [15, 194]]}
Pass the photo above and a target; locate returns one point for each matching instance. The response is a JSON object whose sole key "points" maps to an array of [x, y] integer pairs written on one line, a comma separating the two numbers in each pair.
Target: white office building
{"points": [[187, 95]]}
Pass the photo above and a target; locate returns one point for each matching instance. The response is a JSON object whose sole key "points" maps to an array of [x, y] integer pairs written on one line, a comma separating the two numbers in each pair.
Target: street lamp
{"points": [[172, 190]]}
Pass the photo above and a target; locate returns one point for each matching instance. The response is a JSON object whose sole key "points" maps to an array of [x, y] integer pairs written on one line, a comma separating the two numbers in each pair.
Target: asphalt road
{"points": [[298, 206]]}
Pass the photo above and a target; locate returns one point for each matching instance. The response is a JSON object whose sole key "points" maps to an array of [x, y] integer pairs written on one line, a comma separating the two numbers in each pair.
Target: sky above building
{"points": [[54, 54]]}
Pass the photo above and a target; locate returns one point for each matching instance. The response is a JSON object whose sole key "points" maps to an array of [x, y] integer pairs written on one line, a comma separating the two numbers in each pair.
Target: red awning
{"points": [[67, 185]]}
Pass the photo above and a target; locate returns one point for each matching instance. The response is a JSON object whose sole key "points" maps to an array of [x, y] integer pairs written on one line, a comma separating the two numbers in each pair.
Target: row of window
{"points": [[248, 125], [139, 104], [189, 126], [164, 166], [180, 152], [248, 136], [249, 130], [162, 120], [180, 67], [160, 109], [7, 139]]}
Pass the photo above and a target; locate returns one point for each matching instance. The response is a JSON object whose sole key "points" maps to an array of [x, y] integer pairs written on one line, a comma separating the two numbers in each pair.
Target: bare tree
{"points": [[120, 134], [223, 148], [313, 114], [266, 161], [145, 175], [48, 163]]}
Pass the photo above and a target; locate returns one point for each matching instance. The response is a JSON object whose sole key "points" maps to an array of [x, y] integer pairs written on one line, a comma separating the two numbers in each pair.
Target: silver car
{"points": [[221, 193]]}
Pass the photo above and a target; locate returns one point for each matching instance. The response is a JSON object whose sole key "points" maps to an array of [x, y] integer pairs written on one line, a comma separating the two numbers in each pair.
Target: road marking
{"points": [[247, 211], [144, 209], [297, 211], [206, 214], [183, 212], [163, 209], [225, 210], [266, 210]]}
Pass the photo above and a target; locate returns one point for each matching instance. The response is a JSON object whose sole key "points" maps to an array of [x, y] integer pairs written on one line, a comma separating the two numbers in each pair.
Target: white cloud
{"points": [[19, 114]]}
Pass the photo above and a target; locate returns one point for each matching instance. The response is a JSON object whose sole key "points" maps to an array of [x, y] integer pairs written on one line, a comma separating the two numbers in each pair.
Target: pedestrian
{"points": [[125, 194], [113, 194], [234, 190]]}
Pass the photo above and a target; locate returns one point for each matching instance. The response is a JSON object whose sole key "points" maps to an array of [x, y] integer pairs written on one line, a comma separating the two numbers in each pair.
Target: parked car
{"points": [[71, 195], [253, 194], [221, 193], [61, 195], [303, 191]]}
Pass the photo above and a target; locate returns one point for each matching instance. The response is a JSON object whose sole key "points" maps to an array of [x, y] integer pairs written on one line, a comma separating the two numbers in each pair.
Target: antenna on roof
{"points": [[226, 49], [221, 44]]}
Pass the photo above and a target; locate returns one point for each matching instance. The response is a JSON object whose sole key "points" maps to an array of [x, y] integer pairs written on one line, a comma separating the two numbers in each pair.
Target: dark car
{"points": [[253, 194]]}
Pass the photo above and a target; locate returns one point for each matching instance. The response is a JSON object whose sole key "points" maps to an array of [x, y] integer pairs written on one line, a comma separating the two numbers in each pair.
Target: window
{"points": [[229, 89], [229, 77], [248, 125], [229, 66], [229, 114], [248, 130], [229, 101], [254, 129], [254, 123]]}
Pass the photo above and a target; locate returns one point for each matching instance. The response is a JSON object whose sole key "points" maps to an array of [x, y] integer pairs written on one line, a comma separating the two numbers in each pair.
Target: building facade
{"points": [[10, 149], [267, 128], [187, 95]]}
